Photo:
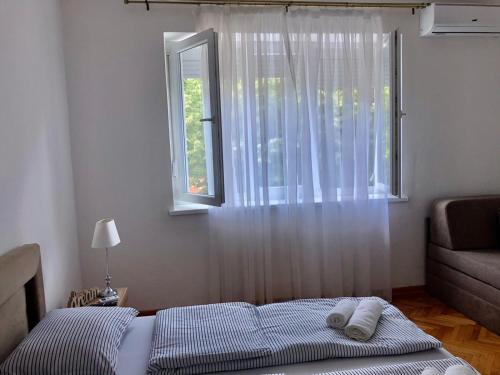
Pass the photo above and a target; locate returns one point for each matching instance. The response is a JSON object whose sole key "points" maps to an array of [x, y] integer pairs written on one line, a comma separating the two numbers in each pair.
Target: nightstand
{"points": [[122, 295], [122, 301]]}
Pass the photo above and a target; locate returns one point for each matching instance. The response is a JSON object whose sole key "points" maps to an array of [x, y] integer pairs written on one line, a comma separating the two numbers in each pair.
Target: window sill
{"points": [[188, 209], [395, 199], [195, 209]]}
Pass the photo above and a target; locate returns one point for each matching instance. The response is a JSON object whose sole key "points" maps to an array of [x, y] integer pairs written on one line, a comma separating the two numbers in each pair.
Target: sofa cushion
{"points": [[483, 265], [466, 223]]}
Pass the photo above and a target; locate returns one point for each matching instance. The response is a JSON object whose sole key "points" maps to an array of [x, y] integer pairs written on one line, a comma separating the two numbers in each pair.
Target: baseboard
{"points": [[397, 292]]}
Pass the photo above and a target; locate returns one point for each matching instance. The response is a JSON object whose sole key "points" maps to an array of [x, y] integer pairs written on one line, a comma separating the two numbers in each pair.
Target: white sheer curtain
{"points": [[304, 142]]}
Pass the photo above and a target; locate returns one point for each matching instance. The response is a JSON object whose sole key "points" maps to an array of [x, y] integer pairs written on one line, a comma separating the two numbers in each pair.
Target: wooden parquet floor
{"points": [[460, 335]]}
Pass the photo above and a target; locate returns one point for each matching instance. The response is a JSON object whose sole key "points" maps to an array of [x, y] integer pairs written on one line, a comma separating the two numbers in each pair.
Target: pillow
{"points": [[74, 341]]}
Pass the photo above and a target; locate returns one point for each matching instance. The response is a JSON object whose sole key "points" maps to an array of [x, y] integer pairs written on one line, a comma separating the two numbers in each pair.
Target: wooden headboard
{"points": [[22, 298]]}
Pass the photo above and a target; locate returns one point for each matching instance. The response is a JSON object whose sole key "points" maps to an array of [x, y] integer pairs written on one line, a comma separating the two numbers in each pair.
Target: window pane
{"points": [[197, 121], [388, 105], [197, 124]]}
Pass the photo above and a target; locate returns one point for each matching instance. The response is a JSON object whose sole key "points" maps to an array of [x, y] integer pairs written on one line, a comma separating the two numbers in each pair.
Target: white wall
{"points": [[450, 136], [119, 143], [36, 179]]}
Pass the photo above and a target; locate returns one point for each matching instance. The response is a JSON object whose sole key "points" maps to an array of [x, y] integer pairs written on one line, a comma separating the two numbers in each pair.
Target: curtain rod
{"points": [[287, 3]]}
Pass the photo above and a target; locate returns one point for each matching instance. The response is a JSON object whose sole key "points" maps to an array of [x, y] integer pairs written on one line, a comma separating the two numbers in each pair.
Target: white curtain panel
{"points": [[304, 142]]}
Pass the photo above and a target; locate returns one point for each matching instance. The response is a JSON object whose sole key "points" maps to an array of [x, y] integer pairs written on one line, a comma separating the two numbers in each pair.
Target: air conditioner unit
{"points": [[468, 20]]}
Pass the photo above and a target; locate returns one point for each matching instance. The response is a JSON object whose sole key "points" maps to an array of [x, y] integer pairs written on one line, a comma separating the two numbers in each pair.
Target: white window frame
{"points": [[175, 44], [397, 114]]}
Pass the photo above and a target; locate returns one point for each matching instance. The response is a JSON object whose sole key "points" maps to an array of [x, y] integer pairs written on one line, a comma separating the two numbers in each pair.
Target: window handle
{"points": [[208, 119]]}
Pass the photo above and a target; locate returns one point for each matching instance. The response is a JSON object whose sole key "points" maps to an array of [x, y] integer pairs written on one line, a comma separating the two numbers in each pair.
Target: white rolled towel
{"points": [[431, 371], [459, 370], [340, 314], [364, 320]]}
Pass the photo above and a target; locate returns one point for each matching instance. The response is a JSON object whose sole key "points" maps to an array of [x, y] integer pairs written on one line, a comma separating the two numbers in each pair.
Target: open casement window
{"points": [[194, 118]]}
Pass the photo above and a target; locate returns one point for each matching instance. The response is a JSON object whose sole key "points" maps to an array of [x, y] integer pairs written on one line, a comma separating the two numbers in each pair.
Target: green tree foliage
{"points": [[195, 141]]}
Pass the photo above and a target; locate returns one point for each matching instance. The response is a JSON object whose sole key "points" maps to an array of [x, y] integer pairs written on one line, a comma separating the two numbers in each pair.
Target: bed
{"points": [[135, 348], [22, 306]]}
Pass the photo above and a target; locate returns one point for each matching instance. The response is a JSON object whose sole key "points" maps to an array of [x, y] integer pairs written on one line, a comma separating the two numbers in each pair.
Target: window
{"points": [[194, 116], [195, 131], [394, 84]]}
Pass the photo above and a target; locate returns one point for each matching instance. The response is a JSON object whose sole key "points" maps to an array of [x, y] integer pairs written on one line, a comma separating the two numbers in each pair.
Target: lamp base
{"points": [[108, 292]]}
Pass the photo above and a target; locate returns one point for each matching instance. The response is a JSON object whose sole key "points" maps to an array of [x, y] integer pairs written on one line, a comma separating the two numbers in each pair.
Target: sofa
{"points": [[463, 257]]}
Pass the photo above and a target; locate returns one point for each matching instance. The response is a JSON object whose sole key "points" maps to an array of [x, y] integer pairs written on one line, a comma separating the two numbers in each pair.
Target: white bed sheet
{"points": [[135, 347], [134, 356]]}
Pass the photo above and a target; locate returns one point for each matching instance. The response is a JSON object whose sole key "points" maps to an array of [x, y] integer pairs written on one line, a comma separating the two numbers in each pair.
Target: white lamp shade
{"points": [[105, 234]]}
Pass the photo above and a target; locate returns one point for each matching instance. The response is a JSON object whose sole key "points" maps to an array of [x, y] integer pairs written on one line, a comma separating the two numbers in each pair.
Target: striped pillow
{"points": [[72, 341]]}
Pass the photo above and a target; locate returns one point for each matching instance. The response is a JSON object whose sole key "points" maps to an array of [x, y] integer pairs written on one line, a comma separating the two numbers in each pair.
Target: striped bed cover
{"points": [[287, 332], [411, 368]]}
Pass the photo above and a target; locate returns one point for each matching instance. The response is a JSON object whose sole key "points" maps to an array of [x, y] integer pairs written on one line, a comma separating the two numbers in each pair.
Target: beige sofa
{"points": [[463, 257]]}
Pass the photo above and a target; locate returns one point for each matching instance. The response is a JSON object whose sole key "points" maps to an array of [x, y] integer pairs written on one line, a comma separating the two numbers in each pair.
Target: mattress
{"points": [[134, 351]]}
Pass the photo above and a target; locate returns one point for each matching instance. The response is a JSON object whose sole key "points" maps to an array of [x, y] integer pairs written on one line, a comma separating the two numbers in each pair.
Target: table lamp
{"points": [[106, 236]]}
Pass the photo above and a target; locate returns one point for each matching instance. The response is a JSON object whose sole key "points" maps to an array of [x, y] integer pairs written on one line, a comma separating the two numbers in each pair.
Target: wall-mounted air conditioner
{"points": [[448, 19]]}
